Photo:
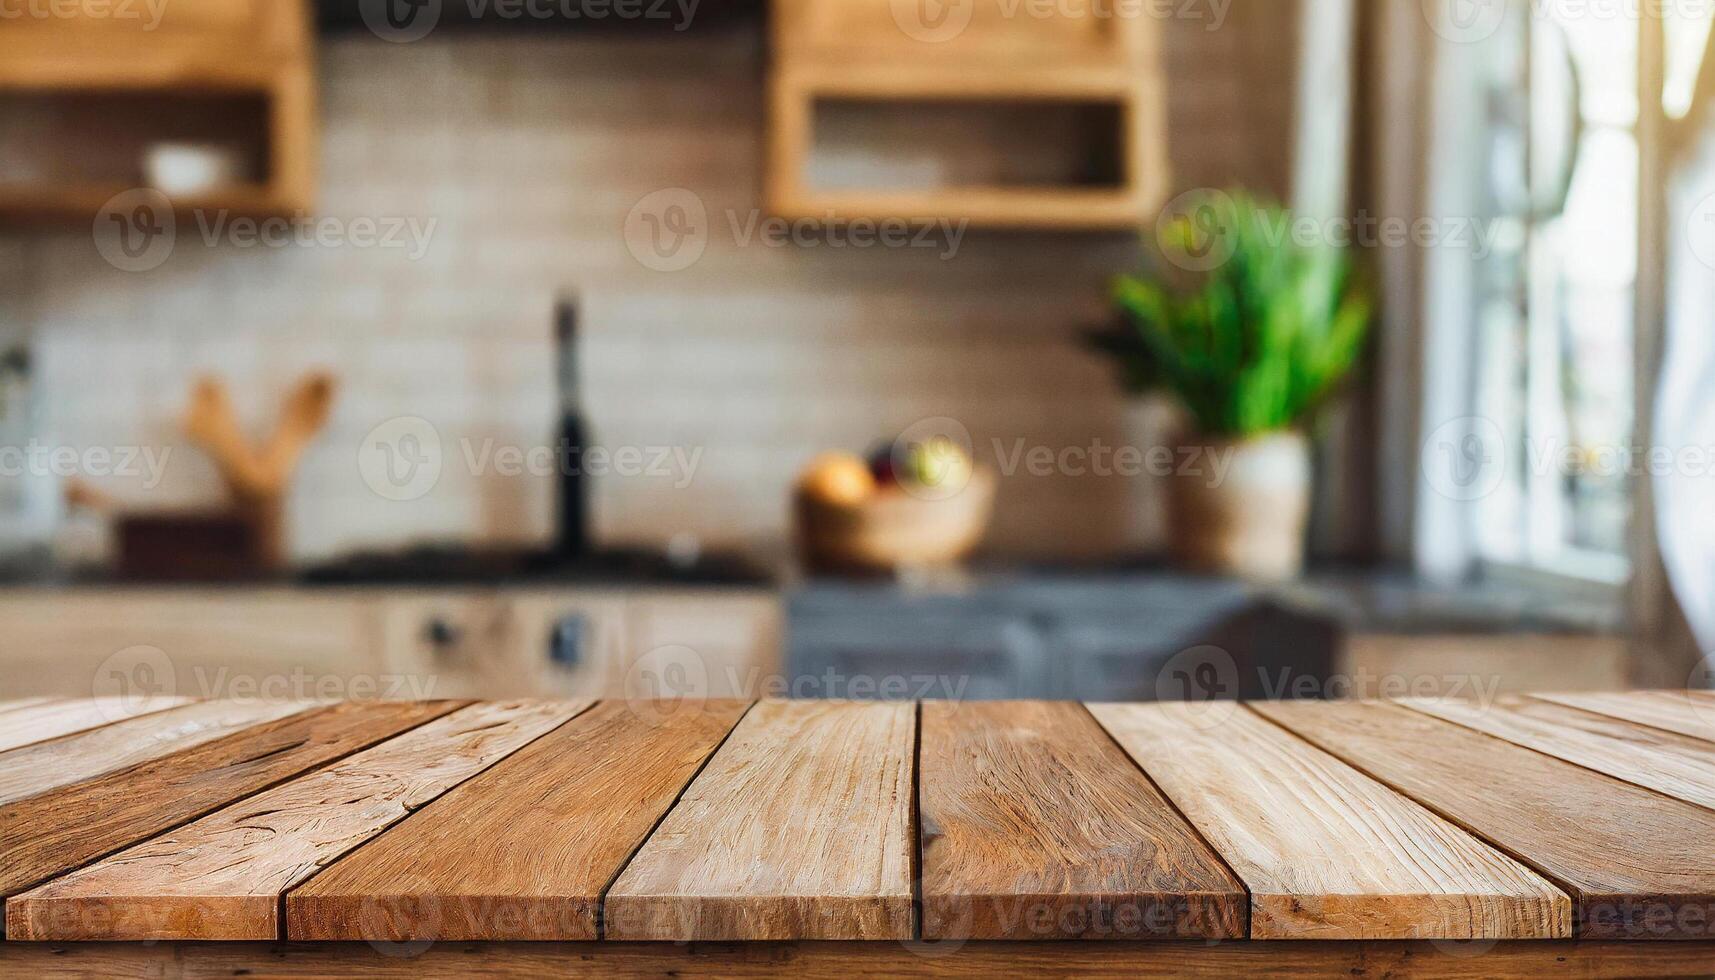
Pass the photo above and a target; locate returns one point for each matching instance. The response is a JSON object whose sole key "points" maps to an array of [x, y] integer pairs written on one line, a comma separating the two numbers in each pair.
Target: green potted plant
{"points": [[1250, 330]]}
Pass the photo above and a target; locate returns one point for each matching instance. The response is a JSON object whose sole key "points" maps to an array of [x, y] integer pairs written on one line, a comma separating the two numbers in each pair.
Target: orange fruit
{"points": [[838, 478]]}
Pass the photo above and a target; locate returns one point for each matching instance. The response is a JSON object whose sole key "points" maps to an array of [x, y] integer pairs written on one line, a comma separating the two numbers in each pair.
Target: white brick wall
{"points": [[528, 152]]}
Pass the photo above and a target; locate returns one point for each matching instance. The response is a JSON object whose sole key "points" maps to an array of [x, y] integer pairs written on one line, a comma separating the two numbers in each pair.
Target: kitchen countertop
{"points": [[870, 826], [1378, 600]]}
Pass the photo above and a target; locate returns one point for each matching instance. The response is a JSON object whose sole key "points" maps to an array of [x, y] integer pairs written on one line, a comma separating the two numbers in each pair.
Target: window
{"points": [[1555, 332]]}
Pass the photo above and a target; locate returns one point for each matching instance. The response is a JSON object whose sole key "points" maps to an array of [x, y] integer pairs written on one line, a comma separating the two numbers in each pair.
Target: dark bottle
{"points": [[572, 532]]}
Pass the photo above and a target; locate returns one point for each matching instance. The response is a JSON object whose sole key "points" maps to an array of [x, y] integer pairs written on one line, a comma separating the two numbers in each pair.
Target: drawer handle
{"points": [[442, 635], [566, 642]]}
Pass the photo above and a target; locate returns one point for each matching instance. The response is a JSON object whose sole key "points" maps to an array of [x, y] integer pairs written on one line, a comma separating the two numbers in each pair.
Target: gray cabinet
{"points": [[1139, 638]]}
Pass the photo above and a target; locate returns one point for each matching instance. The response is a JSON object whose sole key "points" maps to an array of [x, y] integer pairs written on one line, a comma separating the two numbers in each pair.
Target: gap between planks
{"points": [[358, 746], [1549, 876], [280, 911], [1177, 812], [1571, 758], [190, 904], [601, 918]]}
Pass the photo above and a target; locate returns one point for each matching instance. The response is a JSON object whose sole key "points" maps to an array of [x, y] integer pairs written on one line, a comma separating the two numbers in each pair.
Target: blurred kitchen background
{"points": [[829, 347]]}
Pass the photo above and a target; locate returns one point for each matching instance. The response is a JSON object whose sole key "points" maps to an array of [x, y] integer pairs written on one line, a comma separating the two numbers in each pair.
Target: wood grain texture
{"points": [[1294, 960], [39, 722], [17, 703], [1327, 852], [1034, 825], [798, 828], [1689, 713], [54, 832], [1663, 761], [221, 877], [45, 765], [1639, 865], [524, 850]]}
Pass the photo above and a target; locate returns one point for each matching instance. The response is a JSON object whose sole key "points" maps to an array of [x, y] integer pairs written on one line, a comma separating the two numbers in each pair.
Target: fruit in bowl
{"points": [[939, 465], [910, 506], [838, 479]]}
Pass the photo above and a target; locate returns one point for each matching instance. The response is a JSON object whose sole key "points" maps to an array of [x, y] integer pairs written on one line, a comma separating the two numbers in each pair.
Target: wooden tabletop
{"points": [[1526, 818]]}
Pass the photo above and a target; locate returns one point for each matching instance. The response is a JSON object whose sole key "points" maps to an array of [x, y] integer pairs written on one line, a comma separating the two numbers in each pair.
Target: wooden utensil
{"points": [[257, 477]]}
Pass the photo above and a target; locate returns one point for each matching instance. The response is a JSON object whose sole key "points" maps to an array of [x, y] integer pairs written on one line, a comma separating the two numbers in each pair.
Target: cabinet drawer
{"points": [[450, 643], [692, 644], [564, 645]]}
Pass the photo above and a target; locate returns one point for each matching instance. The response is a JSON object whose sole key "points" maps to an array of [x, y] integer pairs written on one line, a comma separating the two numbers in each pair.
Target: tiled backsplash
{"points": [[520, 157]]}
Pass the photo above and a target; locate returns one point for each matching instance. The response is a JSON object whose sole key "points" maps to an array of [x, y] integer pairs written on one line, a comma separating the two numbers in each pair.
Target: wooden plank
{"points": [[1303, 960], [1036, 826], [40, 722], [799, 827], [52, 833], [493, 858], [1327, 852], [17, 703], [1639, 865], [72, 758], [221, 876], [1685, 712], [1663, 761]]}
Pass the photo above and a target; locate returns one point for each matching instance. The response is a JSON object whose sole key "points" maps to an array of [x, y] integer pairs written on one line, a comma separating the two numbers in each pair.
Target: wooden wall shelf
{"points": [[831, 51], [200, 48]]}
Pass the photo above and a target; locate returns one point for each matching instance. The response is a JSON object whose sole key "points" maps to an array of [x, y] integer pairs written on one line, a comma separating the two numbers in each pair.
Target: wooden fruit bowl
{"points": [[894, 529]]}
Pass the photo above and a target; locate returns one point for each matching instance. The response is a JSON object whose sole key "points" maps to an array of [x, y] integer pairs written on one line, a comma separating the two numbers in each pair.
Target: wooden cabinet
{"points": [[928, 58], [206, 644], [566, 643], [100, 80], [687, 644], [967, 31], [388, 642]]}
